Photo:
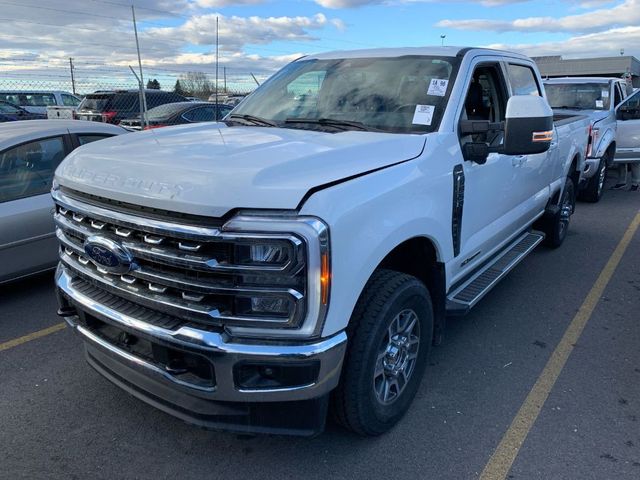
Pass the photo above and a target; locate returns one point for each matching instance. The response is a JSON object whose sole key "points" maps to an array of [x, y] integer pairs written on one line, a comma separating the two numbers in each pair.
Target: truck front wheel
{"points": [[390, 335], [594, 188]]}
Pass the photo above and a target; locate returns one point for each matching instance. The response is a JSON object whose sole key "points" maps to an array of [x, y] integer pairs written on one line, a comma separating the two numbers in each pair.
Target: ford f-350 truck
{"points": [[304, 254], [597, 98]]}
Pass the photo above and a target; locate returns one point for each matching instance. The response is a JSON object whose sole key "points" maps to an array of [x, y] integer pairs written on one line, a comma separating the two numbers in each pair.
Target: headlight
{"points": [[285, 261]]}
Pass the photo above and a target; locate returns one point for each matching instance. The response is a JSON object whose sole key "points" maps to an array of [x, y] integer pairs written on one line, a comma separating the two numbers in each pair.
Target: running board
{"points": [[463, 298]]}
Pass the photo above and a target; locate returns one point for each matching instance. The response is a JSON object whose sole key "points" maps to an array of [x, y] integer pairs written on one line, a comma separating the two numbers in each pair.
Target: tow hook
{"points": [[67, 312]]}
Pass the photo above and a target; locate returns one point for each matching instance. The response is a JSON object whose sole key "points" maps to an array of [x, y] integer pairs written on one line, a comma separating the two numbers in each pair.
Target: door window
{"points": [[39, 99], [486, 99], [70, 100], [202, 114], [27, 169], [630, 109], [523, 80]]}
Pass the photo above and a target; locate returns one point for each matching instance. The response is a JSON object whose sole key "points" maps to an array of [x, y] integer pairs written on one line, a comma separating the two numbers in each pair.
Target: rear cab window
{"points": [[96, 102]]}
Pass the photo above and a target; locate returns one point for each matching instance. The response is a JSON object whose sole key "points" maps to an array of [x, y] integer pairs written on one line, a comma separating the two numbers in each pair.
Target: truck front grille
{"points": [[189, 271]]}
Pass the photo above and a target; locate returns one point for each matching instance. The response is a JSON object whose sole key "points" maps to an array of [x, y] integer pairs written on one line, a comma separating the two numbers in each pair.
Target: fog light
{"points": [[253, 376]]}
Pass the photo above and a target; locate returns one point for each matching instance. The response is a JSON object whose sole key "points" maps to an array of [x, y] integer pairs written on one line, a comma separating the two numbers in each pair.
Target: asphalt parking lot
{"points": [[59, 419]]}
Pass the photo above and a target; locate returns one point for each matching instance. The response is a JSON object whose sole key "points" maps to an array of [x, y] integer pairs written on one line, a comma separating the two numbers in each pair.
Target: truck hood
{"points": [[209, 169]]}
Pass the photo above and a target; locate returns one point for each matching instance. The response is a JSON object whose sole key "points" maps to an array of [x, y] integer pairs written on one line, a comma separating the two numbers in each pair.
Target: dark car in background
{"points": [[10, 113], [115, 106], [179, 113]]}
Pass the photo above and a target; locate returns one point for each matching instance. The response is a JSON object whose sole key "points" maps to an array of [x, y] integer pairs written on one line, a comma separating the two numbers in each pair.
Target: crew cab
{"points": [[304, 254], [597, 98]]}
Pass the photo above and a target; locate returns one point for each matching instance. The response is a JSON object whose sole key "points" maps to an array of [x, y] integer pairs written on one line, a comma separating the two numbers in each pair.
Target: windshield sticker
{"points": [[599, 104], [438, 87], [423, 114], [605, 94]]}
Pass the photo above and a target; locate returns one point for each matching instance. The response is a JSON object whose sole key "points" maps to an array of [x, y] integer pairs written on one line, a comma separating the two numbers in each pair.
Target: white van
{"points": [[37, 101]]}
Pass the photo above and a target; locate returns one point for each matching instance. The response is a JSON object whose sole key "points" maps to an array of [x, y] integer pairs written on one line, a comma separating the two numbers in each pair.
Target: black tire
{"points": [[356, 402], [557, 227], [594, 188]]}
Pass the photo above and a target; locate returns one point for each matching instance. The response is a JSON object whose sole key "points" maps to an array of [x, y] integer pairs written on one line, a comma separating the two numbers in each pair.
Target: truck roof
{"points": [[404, 51], [583, 80]]}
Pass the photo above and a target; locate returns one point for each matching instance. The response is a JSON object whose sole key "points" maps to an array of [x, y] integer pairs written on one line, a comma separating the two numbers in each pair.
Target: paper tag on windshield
{"points": [[599, 104], [438, 87], [423, 114], [604, 94]]}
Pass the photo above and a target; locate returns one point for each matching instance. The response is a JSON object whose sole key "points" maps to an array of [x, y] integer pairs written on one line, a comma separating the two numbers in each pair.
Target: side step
{"points": [[463, 298]]}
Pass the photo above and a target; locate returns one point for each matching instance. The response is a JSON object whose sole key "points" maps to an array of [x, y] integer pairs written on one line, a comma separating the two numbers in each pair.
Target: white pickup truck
{"points": [[598, 98], [304, 253]]}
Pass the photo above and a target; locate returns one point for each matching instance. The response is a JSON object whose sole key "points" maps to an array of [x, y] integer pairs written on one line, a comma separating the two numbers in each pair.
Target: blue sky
{"points": [[259, 36]]}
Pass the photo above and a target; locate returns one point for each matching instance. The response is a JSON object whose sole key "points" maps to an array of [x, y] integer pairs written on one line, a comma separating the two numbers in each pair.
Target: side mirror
{"points": [[528, 127]]}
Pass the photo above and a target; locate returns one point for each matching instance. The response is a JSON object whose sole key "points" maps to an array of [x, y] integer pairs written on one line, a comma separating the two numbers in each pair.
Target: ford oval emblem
{"points": [[108, 254]]}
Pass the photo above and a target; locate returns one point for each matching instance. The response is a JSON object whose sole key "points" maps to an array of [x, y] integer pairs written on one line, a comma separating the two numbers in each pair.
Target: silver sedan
{"points": [[30, 151]]}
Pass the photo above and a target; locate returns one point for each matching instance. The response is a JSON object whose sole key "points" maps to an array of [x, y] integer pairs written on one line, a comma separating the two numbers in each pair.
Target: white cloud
{"points": [[336, 4], [225, 3], [604, 43], [626, 13]]}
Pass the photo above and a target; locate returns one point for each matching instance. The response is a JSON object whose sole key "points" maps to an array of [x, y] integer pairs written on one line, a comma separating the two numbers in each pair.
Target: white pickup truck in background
{"points": [[598, 98], [245, 275]]}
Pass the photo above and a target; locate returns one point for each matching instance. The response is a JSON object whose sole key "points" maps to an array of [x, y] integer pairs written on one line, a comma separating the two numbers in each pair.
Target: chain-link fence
{"points": [[115, 95]]}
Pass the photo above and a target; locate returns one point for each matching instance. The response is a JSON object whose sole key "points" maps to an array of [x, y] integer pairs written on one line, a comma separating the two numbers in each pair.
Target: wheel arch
{"points": [[418, 256]]}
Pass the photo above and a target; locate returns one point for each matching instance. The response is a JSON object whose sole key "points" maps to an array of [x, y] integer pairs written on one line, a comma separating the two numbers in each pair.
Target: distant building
{"points": [[556, 66]]}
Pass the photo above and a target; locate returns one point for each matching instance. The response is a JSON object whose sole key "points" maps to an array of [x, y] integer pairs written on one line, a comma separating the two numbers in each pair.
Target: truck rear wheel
{"points": [[592, 192], [390, 335], [557, 226]]}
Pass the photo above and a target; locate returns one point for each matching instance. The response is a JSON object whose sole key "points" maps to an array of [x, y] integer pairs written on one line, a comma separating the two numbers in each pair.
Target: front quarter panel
{"points": [[370, 215]]}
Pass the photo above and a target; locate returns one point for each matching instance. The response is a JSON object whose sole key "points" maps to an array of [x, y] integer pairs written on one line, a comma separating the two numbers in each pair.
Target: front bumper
{"points": [[138, 356]]}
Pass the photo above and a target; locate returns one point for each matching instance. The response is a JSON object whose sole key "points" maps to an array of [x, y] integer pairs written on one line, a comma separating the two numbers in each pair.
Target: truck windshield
{"points": [[399, 94], [578, 96]]}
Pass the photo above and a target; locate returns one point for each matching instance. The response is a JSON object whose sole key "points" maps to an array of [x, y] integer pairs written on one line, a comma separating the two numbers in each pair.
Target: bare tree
{"points": [[196, 84]]}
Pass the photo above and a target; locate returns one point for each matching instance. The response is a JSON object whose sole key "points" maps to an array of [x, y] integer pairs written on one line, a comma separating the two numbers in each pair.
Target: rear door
{"points": [[533, 173], [27, 238], [628, 136]]}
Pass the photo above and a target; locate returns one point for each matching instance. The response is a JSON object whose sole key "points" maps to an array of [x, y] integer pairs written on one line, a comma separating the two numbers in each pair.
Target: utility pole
{"points": [[224, 71], [216, 69], [73, 80], [143, 97]]}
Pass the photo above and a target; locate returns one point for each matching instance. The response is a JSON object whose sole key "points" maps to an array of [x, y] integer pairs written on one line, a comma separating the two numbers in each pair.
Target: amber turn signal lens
{"points": [[325, 277]]}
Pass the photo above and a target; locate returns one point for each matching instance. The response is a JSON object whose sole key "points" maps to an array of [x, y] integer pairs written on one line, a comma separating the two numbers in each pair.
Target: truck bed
{"points": [[560, 119]]}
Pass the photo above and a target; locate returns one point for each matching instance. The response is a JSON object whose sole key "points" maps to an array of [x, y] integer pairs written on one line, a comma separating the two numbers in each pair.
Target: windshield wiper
{"points": [[253, 120], [567, 107], [332, 122]]}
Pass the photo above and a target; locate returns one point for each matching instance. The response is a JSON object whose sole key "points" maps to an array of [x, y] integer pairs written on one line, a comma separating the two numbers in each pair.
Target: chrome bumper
{"points": [[217, 348]]}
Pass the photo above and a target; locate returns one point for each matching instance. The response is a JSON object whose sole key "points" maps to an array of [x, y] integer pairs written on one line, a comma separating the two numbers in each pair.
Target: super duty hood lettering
{"points": [[211, 169]]}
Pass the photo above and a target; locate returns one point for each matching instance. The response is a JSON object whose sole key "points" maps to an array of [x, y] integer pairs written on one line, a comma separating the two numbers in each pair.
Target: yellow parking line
{"points": [[32, 336], [502, 459]]}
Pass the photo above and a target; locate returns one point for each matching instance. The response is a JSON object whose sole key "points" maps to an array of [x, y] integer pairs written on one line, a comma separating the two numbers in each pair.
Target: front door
{"points": [[27, 238], [490, 189], [628, 136]]}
